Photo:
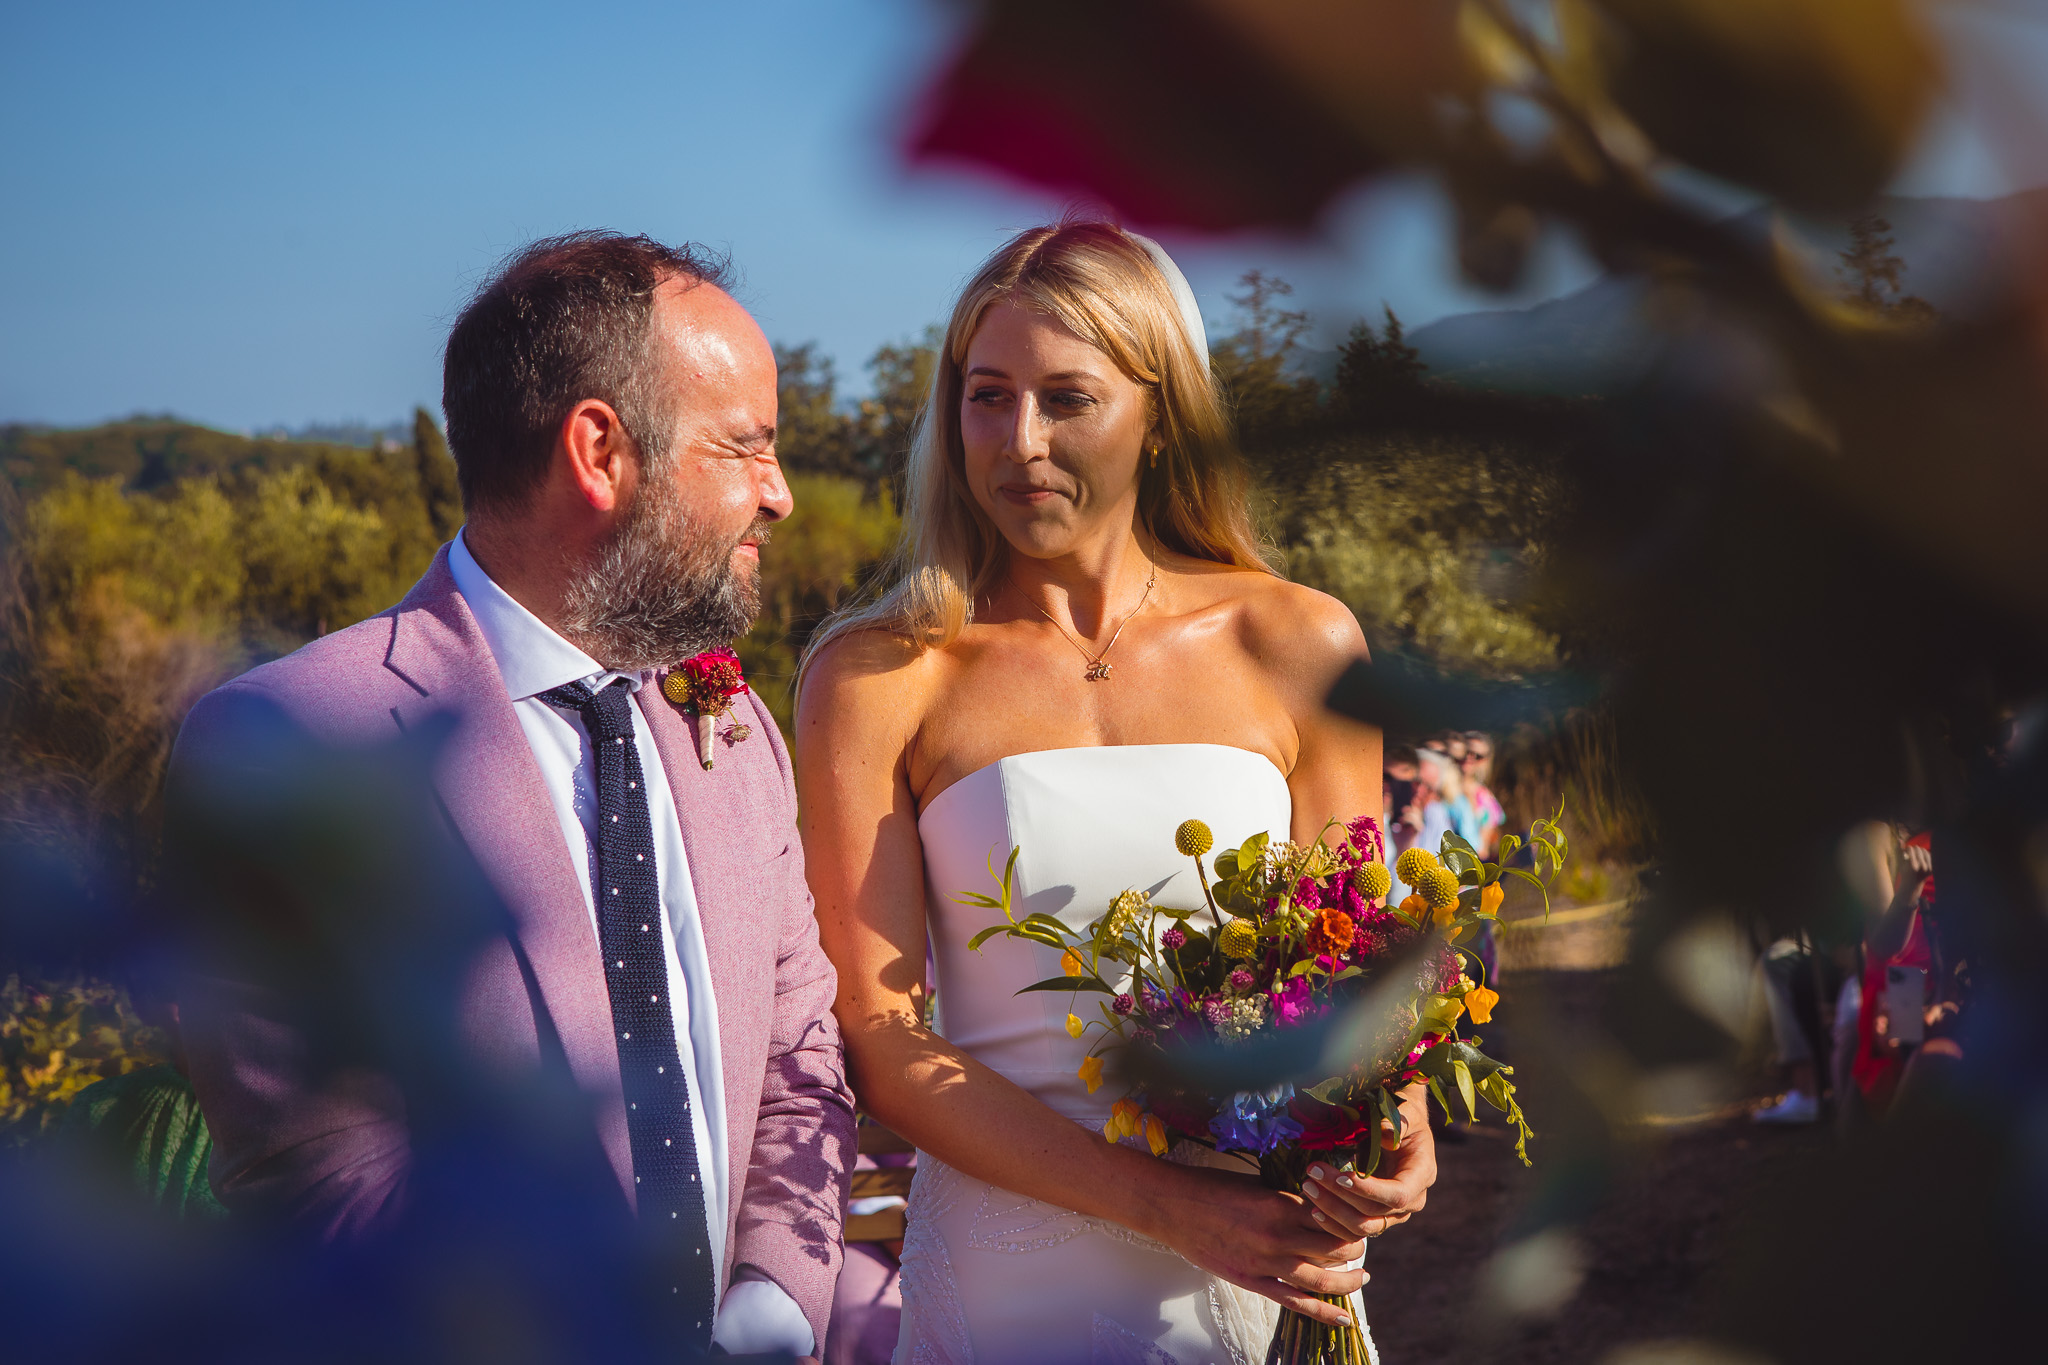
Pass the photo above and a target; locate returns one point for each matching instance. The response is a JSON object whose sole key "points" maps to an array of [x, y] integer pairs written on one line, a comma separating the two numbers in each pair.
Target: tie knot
{"points": [[607, 713]]}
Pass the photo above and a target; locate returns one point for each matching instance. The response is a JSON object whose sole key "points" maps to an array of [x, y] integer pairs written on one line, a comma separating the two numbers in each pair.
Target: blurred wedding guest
{"points": [[1402, 794], [1778, 972], [1898, 961], [1477, 770]]}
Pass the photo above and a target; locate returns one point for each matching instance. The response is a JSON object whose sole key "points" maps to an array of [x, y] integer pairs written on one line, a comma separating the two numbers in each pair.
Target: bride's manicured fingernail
{"points": [[1310, 1187], [1345, 1181], [1319, 1215], [1317, 1172]]}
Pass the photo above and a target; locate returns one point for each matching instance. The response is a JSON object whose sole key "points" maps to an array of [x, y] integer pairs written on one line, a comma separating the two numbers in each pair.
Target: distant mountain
{"points": [[1961, 255]]}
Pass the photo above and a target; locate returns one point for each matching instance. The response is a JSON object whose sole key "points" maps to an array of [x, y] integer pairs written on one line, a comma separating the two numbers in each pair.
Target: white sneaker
{"points": [[1796, 1107]]}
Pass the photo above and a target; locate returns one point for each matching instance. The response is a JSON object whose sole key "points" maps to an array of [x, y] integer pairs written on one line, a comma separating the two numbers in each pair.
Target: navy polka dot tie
{"points": [[667, 1182]]}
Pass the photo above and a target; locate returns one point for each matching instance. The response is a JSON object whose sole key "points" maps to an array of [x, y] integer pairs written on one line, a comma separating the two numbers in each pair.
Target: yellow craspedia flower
{"points": [[1479, 1003], [1239, 939], [1155, 1134], [1373, 881], [1091, 1073], [1438, 886], [1074, 1026], [1410, 866], [1193, 838], [1071, 963]]}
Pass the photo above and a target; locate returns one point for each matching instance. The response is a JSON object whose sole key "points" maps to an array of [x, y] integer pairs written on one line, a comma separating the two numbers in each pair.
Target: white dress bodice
{"points": [[1088, 824]]}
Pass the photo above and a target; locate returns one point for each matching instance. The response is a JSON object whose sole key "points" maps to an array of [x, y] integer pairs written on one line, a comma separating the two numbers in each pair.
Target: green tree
{"points": [[1378, 373], [1875, 273], [436, 468], [903, 376], [1254, 363]]}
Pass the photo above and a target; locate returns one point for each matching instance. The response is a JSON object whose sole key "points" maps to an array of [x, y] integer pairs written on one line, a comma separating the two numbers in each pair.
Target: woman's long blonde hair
{"points": [[1105, 287]]}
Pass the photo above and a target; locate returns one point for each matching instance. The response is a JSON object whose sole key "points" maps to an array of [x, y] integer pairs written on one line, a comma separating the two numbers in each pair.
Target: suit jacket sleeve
{"points": [[795, 1201], [330, 1153]]}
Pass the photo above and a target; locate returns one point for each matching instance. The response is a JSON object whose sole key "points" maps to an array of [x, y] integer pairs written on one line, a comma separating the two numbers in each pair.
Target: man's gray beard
{"points": [[660, 589]]}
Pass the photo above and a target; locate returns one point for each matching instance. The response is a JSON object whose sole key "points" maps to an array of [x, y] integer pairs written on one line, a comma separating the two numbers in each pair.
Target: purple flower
{"points": [[1291, 1002], [1255, 1121], [1308, 896], [1367, 838], [1240, 980], [1173, 939], [1123, 1004], [1217, 1011]]}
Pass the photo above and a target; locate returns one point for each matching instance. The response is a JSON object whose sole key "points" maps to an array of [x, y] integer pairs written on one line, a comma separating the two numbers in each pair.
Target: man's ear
{"points": [[599, 453]]}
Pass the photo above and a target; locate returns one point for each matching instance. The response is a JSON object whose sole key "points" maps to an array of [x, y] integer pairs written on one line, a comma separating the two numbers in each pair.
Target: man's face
{"points": [[681, 569]]}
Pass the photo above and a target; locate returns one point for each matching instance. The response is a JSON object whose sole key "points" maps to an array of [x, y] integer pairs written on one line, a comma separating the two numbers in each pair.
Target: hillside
{"points": [[1961, 255], [143, 453]]}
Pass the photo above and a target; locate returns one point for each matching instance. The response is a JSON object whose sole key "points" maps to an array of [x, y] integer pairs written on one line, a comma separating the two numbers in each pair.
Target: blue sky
{"points": [[251, 214]]}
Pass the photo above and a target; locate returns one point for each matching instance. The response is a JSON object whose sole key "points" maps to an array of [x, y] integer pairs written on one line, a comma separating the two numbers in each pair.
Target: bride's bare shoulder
{"points": [[878, 682], [1289, 626]]}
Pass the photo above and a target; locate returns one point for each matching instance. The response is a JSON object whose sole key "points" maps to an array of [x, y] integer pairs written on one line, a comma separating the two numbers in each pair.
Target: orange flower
{"points": [[1443, 915], [1490, 898], [1155, 1134], [1331, 933], [1416, 907], [1479, 1003], [1091, 1072], [1071, 963], [1125, 1120]]}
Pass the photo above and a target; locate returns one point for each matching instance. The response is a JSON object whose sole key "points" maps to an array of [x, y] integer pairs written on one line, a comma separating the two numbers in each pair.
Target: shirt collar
{"points": [[531, 657]]}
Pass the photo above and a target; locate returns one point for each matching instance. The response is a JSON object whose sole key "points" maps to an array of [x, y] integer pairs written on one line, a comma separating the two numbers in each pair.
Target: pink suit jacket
{"points": [[337, 1159]]}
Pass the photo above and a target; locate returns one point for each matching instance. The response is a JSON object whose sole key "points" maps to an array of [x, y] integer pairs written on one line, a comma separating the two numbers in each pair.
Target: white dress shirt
{"points": [[754, 1313]]}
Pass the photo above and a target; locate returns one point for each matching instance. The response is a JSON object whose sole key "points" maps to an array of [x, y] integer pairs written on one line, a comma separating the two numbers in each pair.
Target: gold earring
{"points": [[1155, 457]]}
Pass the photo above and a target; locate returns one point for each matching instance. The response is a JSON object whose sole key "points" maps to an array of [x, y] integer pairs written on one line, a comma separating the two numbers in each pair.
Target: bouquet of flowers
{"points": [[1302, 965]]}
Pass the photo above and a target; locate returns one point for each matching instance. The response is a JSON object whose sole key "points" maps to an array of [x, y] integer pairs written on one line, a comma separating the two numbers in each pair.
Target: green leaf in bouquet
{"points": [[1369, 1155], [1436, 1089], [976, 898], [987, 934], [1462, 1074], [1327, 1090], [1045, 921], [1390, 1110], [1039, 935], [1302, 968], [1347, 974], [1069, 983], [1172, 912]]}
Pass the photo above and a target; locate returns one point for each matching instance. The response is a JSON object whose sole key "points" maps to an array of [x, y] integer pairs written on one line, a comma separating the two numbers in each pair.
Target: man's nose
{"points": [[775, 499]]}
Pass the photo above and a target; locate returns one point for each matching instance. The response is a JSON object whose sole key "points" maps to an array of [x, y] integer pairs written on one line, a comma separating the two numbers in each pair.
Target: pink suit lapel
{"points": [[499, 803]]}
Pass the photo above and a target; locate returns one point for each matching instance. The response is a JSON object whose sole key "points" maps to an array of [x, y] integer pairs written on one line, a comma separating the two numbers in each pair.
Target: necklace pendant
{"points": [[1097, 671]]}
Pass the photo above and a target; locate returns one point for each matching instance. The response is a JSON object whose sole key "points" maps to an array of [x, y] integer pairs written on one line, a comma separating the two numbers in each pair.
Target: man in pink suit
{"points": [[612, 414]]}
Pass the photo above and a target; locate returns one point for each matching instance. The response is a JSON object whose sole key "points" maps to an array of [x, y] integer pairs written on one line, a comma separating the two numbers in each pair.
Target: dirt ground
{"points": [[1649, 1249]]}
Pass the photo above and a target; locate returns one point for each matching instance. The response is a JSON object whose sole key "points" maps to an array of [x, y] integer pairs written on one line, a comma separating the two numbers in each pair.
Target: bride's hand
{"points": [[1258, 1239], [1366, 1206]]}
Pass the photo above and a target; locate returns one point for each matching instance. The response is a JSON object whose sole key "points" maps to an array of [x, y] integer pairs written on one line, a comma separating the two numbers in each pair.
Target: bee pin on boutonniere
{"points": [[705, 684]]}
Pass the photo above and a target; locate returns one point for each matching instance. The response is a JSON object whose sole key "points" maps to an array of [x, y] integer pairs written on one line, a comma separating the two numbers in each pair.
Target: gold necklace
{"points": [[1098, 667]]}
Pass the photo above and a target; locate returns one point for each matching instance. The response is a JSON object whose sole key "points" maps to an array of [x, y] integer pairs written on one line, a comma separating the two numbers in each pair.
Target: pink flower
{"points": [[1174, 939], [1123, 1004], [1217, 1011], [1240, 980]]}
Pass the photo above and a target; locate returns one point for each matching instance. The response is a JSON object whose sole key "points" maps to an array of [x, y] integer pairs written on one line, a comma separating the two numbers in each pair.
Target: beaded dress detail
{"points": [[989, 1276]]}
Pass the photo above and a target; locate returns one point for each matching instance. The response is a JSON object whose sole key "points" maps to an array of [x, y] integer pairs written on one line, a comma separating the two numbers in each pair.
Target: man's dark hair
{"points": [[564, 320]]}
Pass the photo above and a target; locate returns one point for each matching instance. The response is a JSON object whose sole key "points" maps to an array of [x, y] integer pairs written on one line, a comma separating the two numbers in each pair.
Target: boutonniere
{"points": [[706, 684]]}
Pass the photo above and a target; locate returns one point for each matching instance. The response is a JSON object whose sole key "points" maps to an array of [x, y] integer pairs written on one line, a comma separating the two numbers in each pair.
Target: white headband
{"points": [[1190, 311]]}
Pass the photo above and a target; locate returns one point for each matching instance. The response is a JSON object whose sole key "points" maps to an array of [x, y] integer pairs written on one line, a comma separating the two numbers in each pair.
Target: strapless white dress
{"points": [[990, 1276]]}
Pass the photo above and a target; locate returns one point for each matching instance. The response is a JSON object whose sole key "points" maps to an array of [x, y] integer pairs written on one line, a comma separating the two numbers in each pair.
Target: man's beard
{"points": [[661, 588]]}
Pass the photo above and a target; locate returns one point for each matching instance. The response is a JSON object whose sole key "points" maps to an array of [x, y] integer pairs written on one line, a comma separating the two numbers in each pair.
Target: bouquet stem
{"points": [[1299, 1340]]}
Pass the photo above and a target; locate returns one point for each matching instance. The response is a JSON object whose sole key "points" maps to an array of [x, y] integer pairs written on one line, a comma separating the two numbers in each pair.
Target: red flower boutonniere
{"points": [[706, 684]]}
